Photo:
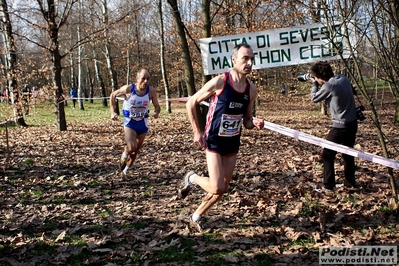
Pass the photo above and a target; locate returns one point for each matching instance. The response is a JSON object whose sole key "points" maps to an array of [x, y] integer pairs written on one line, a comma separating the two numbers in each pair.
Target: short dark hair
{"points": [[322, 70], [238, 46]]}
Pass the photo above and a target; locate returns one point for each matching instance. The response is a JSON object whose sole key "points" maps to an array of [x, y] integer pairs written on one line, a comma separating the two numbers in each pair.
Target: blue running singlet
{"points": [[135, 111], [224, 119]]}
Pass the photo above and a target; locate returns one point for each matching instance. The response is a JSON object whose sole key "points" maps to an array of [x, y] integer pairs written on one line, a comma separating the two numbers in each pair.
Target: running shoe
{"points": [[122, 163], [187, 185], [198, 224]]}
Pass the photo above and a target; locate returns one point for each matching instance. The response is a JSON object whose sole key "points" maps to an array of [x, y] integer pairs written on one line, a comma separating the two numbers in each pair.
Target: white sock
{"points": [[125, 170], [195, 217], [124, 155], [191, 179]]}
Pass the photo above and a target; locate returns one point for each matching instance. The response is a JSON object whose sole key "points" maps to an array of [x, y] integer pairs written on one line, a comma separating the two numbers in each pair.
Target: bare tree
{"points": [[188, 67], [11, 62], [107, 46], [346, 12], [55, 16], [162, 58]]}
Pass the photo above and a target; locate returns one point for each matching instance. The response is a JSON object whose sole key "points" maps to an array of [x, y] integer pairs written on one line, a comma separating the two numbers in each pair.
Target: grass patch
{"points": [[97, 229], [42, 248], [38, 193], [28, 161], [106, 212], [214, 238], [263, 259], [182, 252], [87, 201], [42, 113], [309, 207], [308, 241], [351, 199], [136, 225], [94, 183], [79, 258], [388, 211], [75, 240], [218, 258]]}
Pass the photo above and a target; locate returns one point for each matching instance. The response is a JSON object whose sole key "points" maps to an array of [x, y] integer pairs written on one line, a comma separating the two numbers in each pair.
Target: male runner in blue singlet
{"points": [[135, 115], [232, 98]]}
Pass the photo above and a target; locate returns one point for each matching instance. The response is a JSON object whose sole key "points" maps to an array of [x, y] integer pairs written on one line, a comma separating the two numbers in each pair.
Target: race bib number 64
{"points": [[230, 125]]}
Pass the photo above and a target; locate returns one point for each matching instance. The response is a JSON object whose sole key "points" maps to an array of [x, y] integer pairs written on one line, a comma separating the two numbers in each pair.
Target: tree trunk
{"points": [[112, 73], [99, 79], [128, 54], [80, 87], [51, 15], [163, 68], [11, 63], [90, 82], [188, 67]]}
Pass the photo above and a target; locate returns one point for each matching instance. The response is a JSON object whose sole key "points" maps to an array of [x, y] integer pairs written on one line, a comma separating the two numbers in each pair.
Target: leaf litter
{"points": [[64, 202]]}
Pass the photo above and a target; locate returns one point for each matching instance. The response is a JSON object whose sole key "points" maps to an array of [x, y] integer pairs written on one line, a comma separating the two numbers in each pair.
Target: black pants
{"points": [[344, 136], [74, 102]]}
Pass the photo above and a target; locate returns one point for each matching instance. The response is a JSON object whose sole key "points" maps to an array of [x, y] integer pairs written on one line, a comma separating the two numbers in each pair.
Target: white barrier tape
{"points": [[70, 98], [10, 119], [332, 146], [181, 99]]}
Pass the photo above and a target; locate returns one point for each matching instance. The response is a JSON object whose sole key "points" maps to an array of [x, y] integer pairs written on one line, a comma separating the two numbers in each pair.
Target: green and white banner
{"points": [[277, 47]]}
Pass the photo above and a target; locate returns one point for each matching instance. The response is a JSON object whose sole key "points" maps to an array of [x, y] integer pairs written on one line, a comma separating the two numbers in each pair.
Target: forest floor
{"points": [[63, 201]]}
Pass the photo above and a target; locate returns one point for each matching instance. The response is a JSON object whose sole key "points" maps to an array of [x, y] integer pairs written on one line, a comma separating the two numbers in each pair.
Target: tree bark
{"points": [[99, 79], [188, 68], [11, 63], [163, 67]]}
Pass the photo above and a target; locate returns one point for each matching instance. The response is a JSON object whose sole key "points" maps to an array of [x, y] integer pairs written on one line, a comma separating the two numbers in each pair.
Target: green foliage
{"points": [[42, 248], [42, 113], [387, 210], [309, 241], [136, 225], [351, 199], [106, 212], [218, 258], [38, 193], [75, 240], [79, 258], [28, 161], [182, 252], [309, 207], [263, 259], [96, 229], [213, 237]]}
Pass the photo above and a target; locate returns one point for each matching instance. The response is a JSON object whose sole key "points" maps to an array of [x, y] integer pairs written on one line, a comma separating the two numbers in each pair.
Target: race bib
{"points": [[230, 125], [137, 113]]}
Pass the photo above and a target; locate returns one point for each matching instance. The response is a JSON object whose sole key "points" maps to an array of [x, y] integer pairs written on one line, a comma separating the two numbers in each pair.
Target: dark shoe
{"points": [[326, 191], [187, 186], [198, 224], [350, 185]]}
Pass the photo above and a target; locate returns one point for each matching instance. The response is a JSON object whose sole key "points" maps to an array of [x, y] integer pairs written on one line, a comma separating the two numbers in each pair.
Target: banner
{"points": [[277, 47]]}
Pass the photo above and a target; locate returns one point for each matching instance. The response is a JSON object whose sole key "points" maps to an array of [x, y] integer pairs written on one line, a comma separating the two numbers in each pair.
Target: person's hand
{"points": [[155, 115], [258, 123], [114, 116], [199, 139]]}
